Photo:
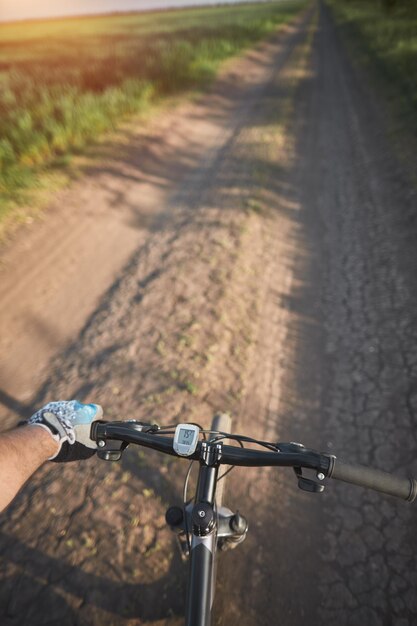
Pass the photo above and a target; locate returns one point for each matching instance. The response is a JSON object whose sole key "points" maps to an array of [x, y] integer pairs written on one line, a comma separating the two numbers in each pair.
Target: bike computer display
{"points": [[185, 439]]}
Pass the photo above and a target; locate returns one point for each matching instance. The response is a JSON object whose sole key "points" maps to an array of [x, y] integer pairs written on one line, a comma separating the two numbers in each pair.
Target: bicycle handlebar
{"points": [[291, 455], [130, 432]]}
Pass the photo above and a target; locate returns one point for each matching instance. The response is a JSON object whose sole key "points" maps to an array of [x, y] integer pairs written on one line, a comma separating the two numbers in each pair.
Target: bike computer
{"points": [[185, 439]]}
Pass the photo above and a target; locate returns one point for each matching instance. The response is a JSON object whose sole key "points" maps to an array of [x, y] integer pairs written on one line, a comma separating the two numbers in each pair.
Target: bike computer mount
{"points": [[186, 439]]}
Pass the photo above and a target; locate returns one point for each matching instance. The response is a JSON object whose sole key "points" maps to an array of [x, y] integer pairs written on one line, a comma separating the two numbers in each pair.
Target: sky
{"points": [[25, 9]]}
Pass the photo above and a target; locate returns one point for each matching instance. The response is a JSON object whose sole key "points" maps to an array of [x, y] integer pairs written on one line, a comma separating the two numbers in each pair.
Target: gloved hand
{"points": [[69, 423]]}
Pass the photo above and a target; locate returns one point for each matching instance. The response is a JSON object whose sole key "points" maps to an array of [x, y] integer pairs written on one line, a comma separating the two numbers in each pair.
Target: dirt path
{"points": [[344, 377], [277, 283], [54, 274], [172, 336], [360, 217]]}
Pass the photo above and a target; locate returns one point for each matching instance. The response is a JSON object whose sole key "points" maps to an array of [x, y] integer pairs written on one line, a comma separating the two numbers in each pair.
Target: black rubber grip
{"points": [[405, 488]]}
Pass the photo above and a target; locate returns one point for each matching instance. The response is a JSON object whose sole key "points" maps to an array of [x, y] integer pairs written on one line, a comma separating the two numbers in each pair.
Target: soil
{"points": [[253, 252]]}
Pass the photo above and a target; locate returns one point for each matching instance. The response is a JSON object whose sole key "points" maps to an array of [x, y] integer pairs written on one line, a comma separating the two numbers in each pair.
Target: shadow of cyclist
{"points": [[69, 592]]}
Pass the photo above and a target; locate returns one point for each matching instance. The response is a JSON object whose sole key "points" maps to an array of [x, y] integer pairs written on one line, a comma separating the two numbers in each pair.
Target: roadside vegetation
{"points": [[385, 34], [65, 82]]}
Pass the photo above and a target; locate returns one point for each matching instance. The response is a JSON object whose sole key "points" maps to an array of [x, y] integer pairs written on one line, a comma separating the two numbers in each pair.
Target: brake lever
{"points": [[307, 484], [113, 452]]}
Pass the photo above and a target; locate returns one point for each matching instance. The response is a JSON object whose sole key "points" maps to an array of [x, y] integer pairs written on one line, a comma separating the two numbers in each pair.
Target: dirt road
{"points": [[276, 282], [55, 273]]}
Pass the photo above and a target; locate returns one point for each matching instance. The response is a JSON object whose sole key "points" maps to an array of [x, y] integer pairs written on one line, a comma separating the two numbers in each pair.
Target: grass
{"points": [[65, 82], [388, 39]]}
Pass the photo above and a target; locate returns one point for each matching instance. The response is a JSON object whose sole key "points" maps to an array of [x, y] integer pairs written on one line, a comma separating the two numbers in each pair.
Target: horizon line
{"points": [[157, 9]]}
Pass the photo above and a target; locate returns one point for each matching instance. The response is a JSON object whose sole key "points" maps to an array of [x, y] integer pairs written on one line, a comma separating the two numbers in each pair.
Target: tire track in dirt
{"points": [[347, 556], [368, 300], [343, 374]]}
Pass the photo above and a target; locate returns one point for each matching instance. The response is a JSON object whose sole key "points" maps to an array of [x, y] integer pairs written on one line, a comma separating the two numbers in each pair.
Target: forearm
{"points": [[22, 451]]}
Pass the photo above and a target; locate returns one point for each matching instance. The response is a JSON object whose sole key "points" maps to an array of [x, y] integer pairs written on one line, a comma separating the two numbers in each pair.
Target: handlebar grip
{"points": [[405, 488]]}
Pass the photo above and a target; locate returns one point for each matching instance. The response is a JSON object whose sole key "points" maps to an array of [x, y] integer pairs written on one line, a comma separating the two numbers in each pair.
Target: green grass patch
{"points": [[385, 33], [63, 83]]}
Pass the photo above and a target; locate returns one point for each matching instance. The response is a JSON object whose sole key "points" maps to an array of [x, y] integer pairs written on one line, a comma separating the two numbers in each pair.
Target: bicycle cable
{"points": [[240, 438], [230, 468], [165, 430], [184, 498]]}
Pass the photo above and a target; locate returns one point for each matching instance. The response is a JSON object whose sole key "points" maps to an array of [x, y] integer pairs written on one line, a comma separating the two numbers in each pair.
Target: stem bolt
{"points": [[321, 476], [101, 443], [202, 518]]}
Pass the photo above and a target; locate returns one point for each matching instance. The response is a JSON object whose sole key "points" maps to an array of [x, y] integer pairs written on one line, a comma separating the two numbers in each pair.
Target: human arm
{"points": [[22, 452], [59, 432]]}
